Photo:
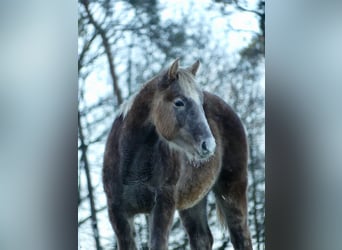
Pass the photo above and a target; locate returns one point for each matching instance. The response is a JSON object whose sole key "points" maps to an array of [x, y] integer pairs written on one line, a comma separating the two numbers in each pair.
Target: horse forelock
{"points": [[188, 85]]}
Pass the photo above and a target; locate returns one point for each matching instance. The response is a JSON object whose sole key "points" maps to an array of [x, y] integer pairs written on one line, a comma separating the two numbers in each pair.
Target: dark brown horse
{"points": [[170, 145]]}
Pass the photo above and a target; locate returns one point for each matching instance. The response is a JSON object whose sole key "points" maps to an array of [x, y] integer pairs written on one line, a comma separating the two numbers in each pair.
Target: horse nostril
{"points": [[208, 146], [204, 147]]}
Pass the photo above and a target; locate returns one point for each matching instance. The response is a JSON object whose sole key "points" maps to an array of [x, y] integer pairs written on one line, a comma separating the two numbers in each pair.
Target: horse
{"points": [[168, 147]]}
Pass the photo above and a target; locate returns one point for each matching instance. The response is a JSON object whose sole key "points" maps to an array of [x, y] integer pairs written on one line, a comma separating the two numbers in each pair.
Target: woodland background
{"points": [[124, 43]]}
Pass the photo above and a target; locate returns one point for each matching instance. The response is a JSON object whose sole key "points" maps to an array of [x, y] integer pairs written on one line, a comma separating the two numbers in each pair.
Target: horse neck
{"points": [[139, 113]]}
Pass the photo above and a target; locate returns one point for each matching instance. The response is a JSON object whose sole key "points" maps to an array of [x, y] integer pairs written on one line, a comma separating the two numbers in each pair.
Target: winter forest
{"points": [[121, 45]]}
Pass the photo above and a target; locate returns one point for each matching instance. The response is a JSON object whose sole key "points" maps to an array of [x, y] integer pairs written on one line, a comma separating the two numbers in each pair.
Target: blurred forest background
{"points": [[124, 43]]}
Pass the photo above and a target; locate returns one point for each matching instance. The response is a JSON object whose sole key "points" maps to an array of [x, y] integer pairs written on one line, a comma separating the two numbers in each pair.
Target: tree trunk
{"points": [[85, 165]]}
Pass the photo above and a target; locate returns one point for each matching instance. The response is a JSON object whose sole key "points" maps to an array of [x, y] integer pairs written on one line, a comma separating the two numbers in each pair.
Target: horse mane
{"points": [[126, 106]]}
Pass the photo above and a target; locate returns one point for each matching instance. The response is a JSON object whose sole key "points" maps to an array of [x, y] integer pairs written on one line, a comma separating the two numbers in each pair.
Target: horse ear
{"points": [[172, 73], [193, 69]]}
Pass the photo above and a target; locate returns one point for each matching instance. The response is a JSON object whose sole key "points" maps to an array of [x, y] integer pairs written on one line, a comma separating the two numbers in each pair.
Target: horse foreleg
{"points": [[122, 225], [196, 224], [161, 219]]}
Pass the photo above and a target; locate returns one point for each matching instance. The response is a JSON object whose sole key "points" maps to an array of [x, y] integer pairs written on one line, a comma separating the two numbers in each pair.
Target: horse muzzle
{"points": [[207, 147]]}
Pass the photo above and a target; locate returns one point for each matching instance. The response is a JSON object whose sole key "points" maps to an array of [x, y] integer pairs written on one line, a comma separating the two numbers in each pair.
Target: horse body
{"points": [[165, 152]]}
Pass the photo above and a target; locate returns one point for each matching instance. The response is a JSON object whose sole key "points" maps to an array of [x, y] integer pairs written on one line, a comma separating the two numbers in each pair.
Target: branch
{"points": [[87, 218], [108, 51], [239, 7], [242, 30], [102, 101], [261, 15], [84, 50]]}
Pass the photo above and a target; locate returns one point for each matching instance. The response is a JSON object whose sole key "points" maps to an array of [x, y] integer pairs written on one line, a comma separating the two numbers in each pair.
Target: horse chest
{"points": [[152, 165], [195, 183]]}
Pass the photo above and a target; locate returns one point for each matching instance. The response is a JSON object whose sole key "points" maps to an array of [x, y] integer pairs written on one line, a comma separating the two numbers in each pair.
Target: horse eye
{"points": [[179, 103]]}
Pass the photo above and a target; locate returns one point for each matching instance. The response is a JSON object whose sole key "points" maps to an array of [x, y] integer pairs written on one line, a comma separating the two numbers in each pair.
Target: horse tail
{"points": [[220, 211]]}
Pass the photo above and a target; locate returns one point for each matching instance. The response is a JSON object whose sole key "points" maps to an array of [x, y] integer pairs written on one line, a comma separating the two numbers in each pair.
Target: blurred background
{"points": [[122, 44]]}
